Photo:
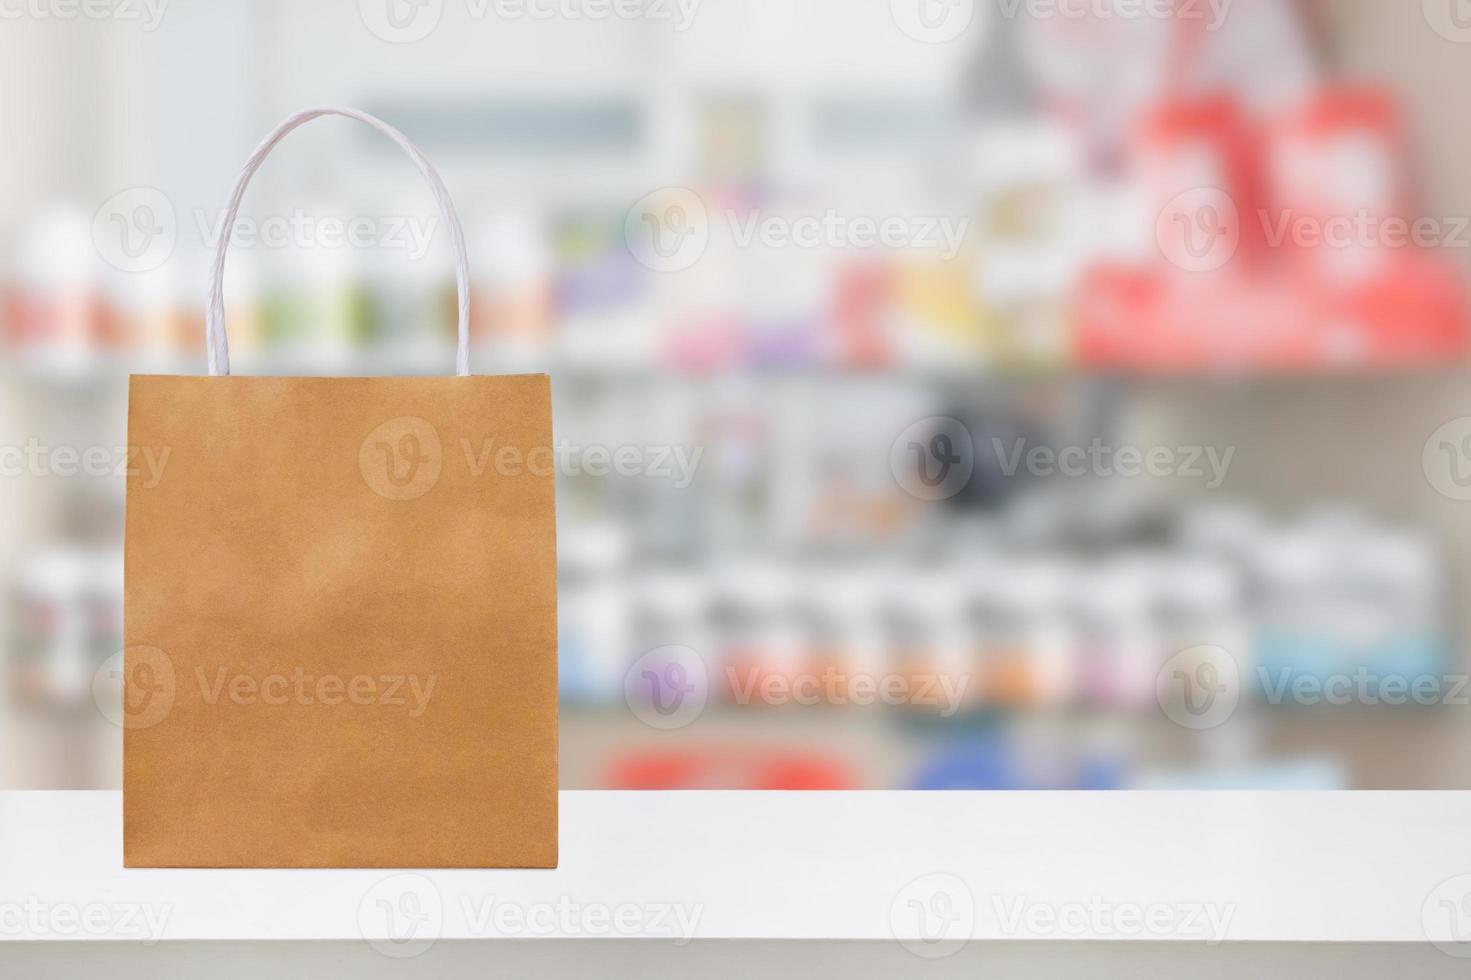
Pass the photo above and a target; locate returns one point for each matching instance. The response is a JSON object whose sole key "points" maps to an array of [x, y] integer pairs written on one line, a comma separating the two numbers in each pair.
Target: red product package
{"points": [[1198, 159]]}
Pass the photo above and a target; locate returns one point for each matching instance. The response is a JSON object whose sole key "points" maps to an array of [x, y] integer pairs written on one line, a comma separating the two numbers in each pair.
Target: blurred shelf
{"points": [[105, 372], [112, 370]]}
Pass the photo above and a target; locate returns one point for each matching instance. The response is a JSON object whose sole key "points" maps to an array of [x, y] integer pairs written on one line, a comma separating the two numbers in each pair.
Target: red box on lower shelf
{"points": [[1409, 311]]}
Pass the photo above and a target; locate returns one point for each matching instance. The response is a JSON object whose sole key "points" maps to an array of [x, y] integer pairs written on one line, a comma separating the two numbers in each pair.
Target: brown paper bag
{"points": [[340, 614]]}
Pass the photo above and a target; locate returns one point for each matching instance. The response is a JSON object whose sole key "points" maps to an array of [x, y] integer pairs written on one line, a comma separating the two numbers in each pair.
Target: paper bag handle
{"points": [[218, 345]]}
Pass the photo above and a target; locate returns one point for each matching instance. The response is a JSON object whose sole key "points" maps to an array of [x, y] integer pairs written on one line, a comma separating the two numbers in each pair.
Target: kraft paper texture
{"points": [[341, 624]]}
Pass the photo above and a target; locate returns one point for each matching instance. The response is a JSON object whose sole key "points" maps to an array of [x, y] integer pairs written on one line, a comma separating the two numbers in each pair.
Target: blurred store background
{"points": [[996, 394]]}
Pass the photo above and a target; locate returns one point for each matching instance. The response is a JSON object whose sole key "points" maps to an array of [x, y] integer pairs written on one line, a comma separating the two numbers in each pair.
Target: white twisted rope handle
{"points": [[218, 345]]}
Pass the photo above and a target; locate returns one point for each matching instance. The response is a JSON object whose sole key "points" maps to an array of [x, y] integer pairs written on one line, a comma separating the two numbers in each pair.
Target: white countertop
{"points": [[913, 866]]}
